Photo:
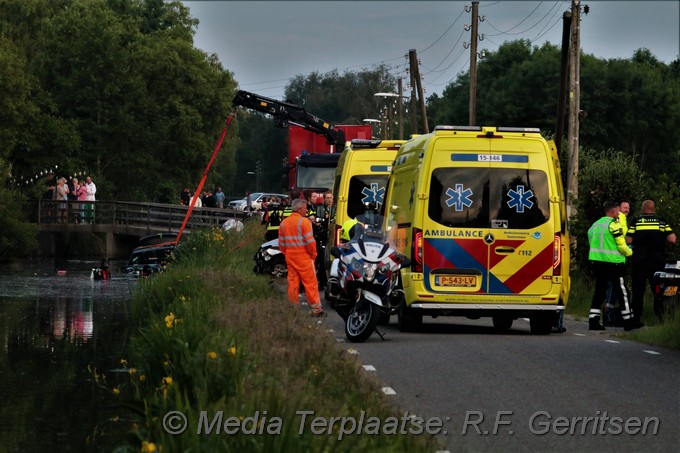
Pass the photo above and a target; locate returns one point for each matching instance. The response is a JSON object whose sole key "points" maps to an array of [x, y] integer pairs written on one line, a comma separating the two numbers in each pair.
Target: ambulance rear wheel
{"points": [[541, 323], [502, 322]]}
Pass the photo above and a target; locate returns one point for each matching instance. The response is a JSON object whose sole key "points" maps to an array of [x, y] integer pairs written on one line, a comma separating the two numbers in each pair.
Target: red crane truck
{"points": [[314, 144]]}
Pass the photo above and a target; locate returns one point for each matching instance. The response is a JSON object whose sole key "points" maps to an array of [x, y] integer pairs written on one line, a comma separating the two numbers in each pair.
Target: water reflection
{"points": [[52, 327]]}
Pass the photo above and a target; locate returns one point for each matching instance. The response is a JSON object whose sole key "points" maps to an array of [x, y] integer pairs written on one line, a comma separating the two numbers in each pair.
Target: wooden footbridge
{"points": [[119, 224]]}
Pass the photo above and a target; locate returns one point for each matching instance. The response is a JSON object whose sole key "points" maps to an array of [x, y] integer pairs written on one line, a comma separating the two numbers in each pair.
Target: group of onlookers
{"points": [[73, 200], [207, 198]]}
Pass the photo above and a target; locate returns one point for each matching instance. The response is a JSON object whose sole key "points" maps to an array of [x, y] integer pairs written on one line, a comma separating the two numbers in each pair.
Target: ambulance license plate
{"points": [[465, 281]]}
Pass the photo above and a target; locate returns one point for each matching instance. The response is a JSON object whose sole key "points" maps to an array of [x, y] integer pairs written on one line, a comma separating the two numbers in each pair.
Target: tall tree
{"points": [[121, 92]]}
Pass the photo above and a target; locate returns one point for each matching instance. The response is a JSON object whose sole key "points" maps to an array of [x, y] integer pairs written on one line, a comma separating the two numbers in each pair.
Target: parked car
{"points": [[256, 199], [237, 204], [256, 204]]}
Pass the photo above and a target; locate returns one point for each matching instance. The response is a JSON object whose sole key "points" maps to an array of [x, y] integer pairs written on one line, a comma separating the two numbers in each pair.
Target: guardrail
{"points": [[153, 216]]}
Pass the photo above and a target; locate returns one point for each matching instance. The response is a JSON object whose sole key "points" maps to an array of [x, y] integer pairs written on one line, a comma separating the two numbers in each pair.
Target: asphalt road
{"points": [[514, 391]]}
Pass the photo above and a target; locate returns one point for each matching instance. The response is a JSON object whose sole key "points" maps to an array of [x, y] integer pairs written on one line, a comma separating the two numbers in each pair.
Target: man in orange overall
{"points": [[296, 242]]}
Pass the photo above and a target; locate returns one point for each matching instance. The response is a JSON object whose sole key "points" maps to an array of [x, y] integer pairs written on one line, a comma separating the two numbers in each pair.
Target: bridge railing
{"points": [[153, 216]]}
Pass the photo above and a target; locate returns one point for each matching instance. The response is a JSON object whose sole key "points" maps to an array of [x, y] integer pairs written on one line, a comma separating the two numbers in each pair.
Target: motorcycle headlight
{"points": [[369, 271]]}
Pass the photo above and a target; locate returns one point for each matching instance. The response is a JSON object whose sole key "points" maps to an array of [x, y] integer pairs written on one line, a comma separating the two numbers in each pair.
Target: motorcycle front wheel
{"points": [[362, 321]]}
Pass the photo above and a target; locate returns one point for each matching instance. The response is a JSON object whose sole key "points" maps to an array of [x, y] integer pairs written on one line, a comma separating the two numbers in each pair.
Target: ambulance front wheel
{"points": [[408, 319]]}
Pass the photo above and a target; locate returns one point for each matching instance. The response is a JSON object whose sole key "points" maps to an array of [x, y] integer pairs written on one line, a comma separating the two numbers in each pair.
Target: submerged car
{"points": [[149, 258]]}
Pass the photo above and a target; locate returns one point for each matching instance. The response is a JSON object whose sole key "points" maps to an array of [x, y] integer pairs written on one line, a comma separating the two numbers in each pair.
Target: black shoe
{"points": [[633, 324], [319, 314], [629, 325], [596, 326], [559, 329]]}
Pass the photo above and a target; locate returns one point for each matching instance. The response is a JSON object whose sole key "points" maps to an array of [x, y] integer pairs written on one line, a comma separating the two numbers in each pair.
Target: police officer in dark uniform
{"points": [[648, 234]]}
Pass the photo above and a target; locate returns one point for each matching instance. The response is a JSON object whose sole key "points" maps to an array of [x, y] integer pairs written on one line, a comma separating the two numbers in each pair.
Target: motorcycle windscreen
{"points": [[489, 232]]}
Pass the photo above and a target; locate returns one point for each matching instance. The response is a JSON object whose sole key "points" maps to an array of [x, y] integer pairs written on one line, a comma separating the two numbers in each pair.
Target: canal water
{"points": [[52, 327]]}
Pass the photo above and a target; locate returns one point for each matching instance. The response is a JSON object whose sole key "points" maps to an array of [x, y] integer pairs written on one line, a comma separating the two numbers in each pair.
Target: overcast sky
{"points": [[266, 43]]}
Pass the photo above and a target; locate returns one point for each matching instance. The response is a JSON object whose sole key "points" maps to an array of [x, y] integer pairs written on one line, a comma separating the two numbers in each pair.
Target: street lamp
{"points": [[401, 114], [256, 173], [373, 121]]}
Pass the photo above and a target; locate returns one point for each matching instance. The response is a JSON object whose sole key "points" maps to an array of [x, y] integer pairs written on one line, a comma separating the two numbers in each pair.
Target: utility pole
{"points": [[574, 107], [401, 110], [473, 64], [415, 71], [414, 110], [562, 94]]}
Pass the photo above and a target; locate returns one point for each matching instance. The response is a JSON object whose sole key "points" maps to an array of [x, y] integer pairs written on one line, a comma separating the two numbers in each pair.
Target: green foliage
{"points": [[632, 105], [603, 176], [259, 140], [213, 337], [665, 191], [18, 236], [345, 98], [117, 89]]}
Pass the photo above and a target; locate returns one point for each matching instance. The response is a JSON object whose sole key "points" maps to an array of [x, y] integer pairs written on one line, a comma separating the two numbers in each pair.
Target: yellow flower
{"points": [[132, 370], [116, 391], [232, 351], [123, 362], [182, 298], [170, 320], [148, 447], [167, 381], [142, 377], [212, 355]]}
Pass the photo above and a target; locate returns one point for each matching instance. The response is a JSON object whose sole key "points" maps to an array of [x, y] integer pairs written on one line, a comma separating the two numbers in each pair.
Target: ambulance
{"points": [[361, 177], [481, 213]]}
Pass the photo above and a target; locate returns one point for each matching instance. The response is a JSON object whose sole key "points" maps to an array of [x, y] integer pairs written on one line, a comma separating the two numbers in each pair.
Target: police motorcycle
{"points": [[665, 290], [363, 286], [270, 260]]}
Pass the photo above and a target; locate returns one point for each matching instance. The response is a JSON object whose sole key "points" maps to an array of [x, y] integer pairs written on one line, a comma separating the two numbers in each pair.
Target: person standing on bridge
{"points": [[91, 190], [219, 198], [296, 241]]}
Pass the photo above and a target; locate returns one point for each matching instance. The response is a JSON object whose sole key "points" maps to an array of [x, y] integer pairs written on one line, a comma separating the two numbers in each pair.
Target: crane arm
{"points": [[286, 112]]}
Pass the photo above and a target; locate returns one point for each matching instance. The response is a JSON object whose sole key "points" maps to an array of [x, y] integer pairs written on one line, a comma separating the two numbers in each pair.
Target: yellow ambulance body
{"points": [[361, 177], [481, 213]]}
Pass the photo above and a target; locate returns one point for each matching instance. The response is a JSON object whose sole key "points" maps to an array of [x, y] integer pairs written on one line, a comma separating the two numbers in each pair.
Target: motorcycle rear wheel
{"points": [[362, 321]]}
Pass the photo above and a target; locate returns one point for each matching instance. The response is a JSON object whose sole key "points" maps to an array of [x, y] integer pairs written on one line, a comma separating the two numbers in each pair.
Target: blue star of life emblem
{"points": [[520, 199], [459, 198], [373, 195]]}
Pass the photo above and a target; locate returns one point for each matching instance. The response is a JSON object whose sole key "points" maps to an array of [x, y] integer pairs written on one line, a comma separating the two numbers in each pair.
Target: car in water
{"points": [[149, 259]]}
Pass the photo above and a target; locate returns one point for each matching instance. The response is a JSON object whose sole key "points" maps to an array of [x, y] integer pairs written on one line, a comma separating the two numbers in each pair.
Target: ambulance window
{"points": [[489, 198], [365, 188]]}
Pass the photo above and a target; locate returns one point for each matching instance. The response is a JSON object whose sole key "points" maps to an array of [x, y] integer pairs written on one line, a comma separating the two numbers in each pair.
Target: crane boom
{"points": [[286, 112]]}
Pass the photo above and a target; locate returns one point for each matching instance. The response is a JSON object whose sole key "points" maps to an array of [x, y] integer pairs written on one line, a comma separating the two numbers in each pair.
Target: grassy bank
{"points": [[212, 336], [666, 334]]}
